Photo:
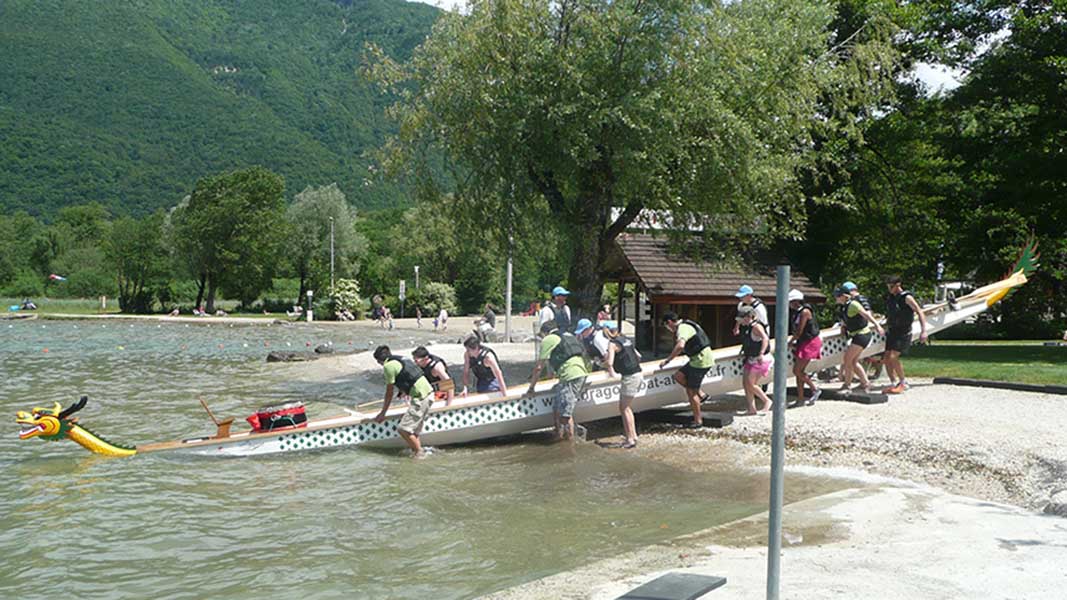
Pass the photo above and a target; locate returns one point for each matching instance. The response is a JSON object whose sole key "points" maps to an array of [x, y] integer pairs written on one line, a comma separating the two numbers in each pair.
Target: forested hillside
{"points": [[128, 103]]}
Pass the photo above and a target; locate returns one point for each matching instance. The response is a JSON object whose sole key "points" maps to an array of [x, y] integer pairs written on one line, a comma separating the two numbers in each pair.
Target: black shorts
{"points": [[861, 339], [898, 340], [694, 377]]}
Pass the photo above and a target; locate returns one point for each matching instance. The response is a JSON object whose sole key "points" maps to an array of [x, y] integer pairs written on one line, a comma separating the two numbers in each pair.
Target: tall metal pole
{"points": [[507, 295], [331, 257], [781, 366]]}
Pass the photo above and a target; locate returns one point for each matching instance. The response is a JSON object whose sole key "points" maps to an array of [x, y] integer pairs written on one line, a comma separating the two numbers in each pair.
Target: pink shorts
{"points": [[810, 350], [760, 368]]}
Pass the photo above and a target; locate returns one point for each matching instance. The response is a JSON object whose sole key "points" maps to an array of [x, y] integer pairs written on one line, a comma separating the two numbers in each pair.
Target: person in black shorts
{"points": [[901, 309]]}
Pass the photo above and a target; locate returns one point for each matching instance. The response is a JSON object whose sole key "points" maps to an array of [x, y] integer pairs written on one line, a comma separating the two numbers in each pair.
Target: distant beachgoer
{"points": [[901, 309], [221, 313], [387, 318], [557, 311], [296, 312], [404, 375], [486, 326], [754, 346], [856, 324], [563, 352], [174, 313], [1065, 335], [624, 359], [418, 317], [436, 370], [807, 345], [603, 314], [694, 343], [28, 304], [199, 311], [746, 296], [482, 361], [441, 321]]}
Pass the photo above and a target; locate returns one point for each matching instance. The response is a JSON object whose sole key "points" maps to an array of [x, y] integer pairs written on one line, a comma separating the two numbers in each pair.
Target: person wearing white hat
{"points": [[807, 345]]}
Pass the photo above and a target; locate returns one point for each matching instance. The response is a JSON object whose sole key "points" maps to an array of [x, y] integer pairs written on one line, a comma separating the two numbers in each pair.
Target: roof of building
{"points": [[668, 275]]}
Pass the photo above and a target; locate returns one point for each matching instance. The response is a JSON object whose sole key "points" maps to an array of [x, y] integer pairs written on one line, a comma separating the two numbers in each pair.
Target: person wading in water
{"points": [[901, 309], [436, 370], [563, 352], [404, 375], [623, 359], [690, 340]]}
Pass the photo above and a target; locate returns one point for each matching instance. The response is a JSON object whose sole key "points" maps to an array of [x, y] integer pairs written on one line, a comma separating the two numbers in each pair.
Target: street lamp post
{"points": [[416, 276], [310, 317]]}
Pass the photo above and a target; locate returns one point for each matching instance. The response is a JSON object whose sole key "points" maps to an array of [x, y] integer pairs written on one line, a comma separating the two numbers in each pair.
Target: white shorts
{"points": [[631, 384]]}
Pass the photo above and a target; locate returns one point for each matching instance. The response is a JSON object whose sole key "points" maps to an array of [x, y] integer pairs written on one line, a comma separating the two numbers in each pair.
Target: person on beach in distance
{"points": [[754, 346], [900, 308], [690, 340], [418, 317], [562, 351], [441, 320], [482, 361], [623, 359], [404, 375], [557, 311], [603, 314], [856, 323], [436, 370], [807, 345], [487, 324], [746, 296]]}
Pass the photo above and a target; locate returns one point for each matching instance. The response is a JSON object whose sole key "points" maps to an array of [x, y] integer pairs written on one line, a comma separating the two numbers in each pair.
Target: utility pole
{"points": [[511, 247], [331, 257], [416, 276]]}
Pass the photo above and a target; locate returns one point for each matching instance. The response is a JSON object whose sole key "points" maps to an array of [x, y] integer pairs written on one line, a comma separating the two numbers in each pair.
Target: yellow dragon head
{"points": [[50, 424]]}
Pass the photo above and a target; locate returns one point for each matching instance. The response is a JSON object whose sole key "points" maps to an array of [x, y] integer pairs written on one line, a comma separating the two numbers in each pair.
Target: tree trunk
{"points": [[212, 287], [200, 290], [303, 291]]}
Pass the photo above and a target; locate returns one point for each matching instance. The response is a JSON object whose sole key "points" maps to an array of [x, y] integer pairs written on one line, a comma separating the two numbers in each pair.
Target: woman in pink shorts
{"points": [[807, 345], [754, 347]]}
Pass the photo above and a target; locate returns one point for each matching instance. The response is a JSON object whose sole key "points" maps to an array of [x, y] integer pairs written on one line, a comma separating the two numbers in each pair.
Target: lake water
{"points": [[346, 523]]}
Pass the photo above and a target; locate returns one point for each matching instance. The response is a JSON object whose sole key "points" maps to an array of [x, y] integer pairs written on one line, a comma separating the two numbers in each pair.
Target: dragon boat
{"points": [[486, 416]]}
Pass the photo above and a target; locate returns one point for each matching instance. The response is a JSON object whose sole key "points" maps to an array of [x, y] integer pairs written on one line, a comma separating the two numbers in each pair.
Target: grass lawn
{"points": [[1015, 361], [70, 306]]}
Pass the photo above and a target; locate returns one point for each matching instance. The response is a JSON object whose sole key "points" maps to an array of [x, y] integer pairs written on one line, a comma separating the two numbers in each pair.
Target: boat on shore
{"points": [[18, 316], [485, 416]]}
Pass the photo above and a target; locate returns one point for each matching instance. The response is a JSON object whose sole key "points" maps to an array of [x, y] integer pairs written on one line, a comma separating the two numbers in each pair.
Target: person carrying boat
{"points": [[404, 375], [807, 345], [623, 359], [436, 370], [900, 309], [557, 311], [856, 324], [594, 340], [746, 297], [754, 347], [562, 351], [690, 340], [854, 291], [482, 361]]}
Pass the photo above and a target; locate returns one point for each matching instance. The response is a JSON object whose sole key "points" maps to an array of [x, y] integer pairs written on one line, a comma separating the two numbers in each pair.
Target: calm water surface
{"points": [[346, 523]]}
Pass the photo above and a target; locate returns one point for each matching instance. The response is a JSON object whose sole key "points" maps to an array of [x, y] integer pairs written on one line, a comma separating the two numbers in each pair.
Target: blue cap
{"points": [[583, 324], [848, 285], [559, 290], [612, 325], [743, 291]]}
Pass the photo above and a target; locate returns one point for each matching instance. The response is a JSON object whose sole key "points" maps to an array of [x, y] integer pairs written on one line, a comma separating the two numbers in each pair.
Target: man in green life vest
{"points": [[690, 340], [404, 375], [564, 353]]}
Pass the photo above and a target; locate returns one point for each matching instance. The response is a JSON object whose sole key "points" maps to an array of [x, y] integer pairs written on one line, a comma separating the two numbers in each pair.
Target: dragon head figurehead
{"points": [[50, 424], [55, 423]]}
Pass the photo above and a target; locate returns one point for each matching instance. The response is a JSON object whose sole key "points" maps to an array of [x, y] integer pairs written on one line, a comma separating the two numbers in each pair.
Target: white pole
{"points": [[331, 256], [507, 297]]}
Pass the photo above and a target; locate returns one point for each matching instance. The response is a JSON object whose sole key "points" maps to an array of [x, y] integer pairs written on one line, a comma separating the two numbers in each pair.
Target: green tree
{"points": [[136, 252], [231, 232], [700, 108], [308, 242]]}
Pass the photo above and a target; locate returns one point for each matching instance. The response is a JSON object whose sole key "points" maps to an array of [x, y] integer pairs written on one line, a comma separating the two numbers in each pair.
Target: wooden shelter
{"points": [[704, 292]]}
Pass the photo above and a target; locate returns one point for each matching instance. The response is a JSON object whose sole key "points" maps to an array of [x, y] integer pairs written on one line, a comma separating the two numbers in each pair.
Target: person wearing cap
{"points": [[746, 297], [901, 309], [690, 340], [557, 310], [856, 324], [807, 345], [595, 341], [404, 375], [854, 291], [623, 359], [754, 347], [562, 351]]}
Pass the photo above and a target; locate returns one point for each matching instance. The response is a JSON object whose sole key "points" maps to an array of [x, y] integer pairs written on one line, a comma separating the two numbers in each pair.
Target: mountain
{"points": [[129, 102]]}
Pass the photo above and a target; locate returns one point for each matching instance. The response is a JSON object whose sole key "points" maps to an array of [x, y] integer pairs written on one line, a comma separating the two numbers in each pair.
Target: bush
{"points": [[346, 297], [432, 297], [26, 284]]}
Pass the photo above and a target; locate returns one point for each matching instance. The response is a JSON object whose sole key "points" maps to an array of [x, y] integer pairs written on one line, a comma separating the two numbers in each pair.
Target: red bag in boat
{"points": [[285, 416]]}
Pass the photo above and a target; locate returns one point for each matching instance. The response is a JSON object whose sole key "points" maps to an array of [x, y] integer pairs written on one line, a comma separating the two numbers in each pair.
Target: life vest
{"points": [[698, 342], [626, 361], [898, 312], [811, 330], [430, 366], [750, 347], [591, 347], [477, 365], [561, 316], [756, 303], [408, 375], [863, 301], [853, 324], [568, 348]]}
